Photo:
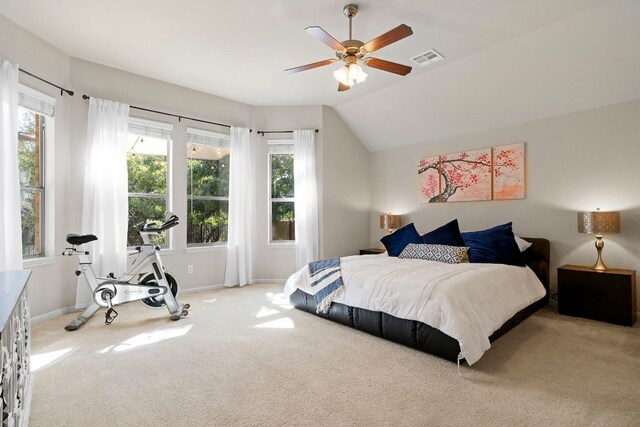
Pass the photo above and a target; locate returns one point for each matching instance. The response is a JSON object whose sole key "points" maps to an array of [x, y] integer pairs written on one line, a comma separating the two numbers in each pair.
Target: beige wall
{"points": [[346, 200], [579, 161]]}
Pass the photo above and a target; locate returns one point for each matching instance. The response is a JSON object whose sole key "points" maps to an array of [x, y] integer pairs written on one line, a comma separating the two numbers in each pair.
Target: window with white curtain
{"points": [[35, 115], [207, 187], [148, 166], [281, 191]]}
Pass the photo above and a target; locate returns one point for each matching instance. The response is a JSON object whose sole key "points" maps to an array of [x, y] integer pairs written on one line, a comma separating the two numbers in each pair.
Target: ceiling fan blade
{"points": [[391, 67], [392, 36], [343, 87], [309, 66], [325, 38]]}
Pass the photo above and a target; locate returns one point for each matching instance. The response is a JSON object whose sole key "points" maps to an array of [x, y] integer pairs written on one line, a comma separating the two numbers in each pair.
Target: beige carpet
{"points": [[243, 357]]}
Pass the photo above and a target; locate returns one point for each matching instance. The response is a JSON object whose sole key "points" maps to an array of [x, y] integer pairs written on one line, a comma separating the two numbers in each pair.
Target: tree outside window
{"points": [[147, 169], [207, 188], [30, 164], [282, 197]]}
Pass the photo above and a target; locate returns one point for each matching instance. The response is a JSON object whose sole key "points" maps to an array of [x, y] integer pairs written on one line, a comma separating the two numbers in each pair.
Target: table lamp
{"points": [[599, 223], [390, 222]]}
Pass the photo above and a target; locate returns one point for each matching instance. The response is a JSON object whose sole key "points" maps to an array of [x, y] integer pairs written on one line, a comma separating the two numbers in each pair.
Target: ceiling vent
{"points": [[427, 57]]}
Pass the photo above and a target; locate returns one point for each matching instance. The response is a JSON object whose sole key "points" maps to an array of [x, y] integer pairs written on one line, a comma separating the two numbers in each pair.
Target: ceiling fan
{"points": [[351, 51]]}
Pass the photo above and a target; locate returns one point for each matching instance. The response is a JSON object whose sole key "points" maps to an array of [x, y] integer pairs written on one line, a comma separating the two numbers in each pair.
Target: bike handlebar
{"points": [[170, 221]]}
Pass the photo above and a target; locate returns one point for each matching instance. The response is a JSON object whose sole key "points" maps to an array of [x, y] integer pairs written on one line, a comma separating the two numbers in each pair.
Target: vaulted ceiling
{"points": [[505, 61]]}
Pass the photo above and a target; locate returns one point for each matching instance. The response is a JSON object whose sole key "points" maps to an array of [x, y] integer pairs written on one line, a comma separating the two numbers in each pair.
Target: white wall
{"points": [[53, 286], [574, 162]]}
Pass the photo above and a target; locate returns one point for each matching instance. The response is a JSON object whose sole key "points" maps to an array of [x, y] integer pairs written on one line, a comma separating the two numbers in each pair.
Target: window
{"points": [[35, 111], [281, 191], [148, 167], [207, 187]]}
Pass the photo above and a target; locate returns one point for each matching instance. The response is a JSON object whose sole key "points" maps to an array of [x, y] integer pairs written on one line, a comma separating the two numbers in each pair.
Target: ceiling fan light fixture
{"points": [[350, 74]]}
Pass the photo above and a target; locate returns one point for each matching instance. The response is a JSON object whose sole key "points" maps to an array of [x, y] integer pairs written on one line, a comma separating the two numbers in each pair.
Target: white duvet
{"points": [[465, 301]]}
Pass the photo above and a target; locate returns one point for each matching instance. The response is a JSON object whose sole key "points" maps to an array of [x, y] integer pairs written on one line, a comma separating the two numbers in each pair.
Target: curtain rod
{"points": [[173, 115], [262, 132], [62, 90]]}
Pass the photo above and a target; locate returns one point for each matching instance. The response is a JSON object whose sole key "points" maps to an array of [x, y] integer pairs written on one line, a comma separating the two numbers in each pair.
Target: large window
{"points": [[207, 187], [147, 165], [30, 162], [35, 110], [281, 192]]}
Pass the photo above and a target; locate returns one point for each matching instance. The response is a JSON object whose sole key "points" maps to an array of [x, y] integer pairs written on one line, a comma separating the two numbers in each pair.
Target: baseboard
{"points": [[201, 288], [268, 282], [53, 314]]}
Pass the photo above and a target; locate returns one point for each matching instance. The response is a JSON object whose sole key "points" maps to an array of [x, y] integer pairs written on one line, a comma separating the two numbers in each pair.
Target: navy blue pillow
{"points": [[448, 234], [398, 240], [496, 245]]}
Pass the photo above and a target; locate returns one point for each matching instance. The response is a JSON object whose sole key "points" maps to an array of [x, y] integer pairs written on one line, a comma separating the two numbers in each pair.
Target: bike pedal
{"points": [[110, 316]]}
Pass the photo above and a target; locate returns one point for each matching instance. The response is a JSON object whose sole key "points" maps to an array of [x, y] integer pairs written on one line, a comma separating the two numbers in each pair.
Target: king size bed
{"points": [[420, 304]]}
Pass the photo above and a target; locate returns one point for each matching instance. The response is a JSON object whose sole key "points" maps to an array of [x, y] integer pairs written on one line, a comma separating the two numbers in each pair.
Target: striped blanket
{"points": [[326, 282]]}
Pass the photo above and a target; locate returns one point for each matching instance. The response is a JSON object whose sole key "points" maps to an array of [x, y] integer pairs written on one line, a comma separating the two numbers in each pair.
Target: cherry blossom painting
{"points": [[429, 179], [466, 176], [488, 174], [508, 172]]}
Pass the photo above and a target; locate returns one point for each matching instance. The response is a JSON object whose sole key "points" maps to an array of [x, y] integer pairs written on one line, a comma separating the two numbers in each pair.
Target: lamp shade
{"points": [[598, 222], [389, 221]]}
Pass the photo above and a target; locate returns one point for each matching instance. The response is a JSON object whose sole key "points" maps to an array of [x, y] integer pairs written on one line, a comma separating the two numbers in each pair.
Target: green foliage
{"points": [[282, 185], [207, 220], [147, 173]]}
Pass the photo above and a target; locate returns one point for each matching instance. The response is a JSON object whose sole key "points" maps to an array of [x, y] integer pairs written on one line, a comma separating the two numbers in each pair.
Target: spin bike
{"points": [[145, 281]]}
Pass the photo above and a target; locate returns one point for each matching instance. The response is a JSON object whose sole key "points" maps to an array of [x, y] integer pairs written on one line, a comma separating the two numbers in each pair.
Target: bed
{"points": [[418, 334]]}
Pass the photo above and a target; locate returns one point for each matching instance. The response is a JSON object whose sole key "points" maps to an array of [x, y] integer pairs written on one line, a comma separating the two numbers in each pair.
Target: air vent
{"points": [[427, 57]]}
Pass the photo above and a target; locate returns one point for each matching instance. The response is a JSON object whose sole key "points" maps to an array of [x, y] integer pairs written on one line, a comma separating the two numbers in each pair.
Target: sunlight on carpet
{"points": [[43, 360], [283, 323], [148, 338]]}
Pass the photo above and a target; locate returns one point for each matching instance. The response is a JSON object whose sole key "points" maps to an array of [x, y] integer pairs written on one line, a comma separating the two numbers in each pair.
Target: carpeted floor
{"points": [[244, 357]]}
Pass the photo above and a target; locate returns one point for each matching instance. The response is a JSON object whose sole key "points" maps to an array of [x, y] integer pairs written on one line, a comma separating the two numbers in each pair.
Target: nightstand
{"points": [[371, 251], [609, 295]]}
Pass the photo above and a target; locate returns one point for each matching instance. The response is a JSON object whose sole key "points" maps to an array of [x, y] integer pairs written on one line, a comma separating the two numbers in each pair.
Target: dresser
{"points": [[15, 336]]}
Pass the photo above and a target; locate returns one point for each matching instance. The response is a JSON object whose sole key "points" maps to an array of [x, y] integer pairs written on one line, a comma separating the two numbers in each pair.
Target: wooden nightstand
{"points": [[609, 295], [371, 251]]}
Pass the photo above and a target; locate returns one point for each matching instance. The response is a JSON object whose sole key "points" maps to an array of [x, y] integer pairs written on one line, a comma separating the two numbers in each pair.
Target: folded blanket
{"points": [[326, 282]]}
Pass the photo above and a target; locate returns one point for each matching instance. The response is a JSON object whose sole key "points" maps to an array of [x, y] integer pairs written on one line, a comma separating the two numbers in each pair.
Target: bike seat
{"points": [[77, 239]]}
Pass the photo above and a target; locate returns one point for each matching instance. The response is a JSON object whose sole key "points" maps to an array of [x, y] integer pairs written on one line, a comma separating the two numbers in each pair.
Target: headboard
{"points": [[537, 258]]}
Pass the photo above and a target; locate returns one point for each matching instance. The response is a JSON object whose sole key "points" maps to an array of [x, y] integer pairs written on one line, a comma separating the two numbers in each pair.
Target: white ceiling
{"points": [[239, 49]]}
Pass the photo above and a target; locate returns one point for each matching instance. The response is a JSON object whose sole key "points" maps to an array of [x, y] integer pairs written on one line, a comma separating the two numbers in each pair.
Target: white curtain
{"points": [[306, 196], [105, 201], [10, 220], [238, 270]]}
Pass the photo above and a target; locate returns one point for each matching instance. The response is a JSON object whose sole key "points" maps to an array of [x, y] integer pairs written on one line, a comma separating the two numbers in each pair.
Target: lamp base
{"points": [[599, 265]]}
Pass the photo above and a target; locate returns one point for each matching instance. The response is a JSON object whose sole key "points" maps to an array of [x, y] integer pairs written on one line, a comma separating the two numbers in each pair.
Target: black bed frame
{"points": [[419, 335]]}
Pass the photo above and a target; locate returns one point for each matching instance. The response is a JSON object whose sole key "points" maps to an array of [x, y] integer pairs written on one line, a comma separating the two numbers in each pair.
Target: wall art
{"points": [[496, 173]]}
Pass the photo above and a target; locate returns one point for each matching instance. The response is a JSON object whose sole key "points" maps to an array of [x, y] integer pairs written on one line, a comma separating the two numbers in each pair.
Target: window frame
{"points": [[43, 105], [190, 197], [168, 241], [289, 150], [41, 187]]}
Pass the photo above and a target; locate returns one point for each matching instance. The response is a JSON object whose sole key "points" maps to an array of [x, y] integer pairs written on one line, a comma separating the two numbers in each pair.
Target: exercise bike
{"points": [[145, 281]]}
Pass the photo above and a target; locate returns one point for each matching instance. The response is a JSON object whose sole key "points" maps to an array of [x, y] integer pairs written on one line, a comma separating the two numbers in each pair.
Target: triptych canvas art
{"points": [[496, 173]]}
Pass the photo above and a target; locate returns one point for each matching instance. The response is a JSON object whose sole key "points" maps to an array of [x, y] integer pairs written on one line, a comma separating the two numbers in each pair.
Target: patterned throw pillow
{"points": [[441, 253]]}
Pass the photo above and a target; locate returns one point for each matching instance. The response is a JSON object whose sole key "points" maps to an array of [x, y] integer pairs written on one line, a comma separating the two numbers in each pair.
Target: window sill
{"points": [[163, 251], [287, 245], [39, 261], [203, 249]]}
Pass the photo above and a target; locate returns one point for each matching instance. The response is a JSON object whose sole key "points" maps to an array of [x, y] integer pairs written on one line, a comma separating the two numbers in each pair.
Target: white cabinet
{"points": [[15, 336]]}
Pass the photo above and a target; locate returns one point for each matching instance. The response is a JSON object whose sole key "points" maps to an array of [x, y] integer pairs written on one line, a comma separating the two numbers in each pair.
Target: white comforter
{"points": [[465, 301]]}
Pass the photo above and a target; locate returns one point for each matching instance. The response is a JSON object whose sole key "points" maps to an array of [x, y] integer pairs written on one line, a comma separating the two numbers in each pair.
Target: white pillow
{"points": [[523, 245]]}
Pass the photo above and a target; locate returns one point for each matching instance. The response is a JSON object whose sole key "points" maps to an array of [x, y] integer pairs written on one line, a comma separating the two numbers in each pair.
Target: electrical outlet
{"points": [[190, 269]]}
